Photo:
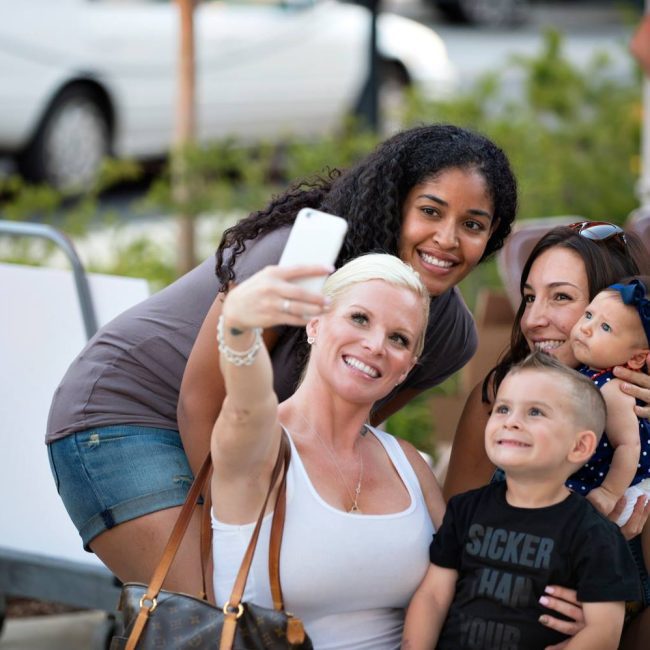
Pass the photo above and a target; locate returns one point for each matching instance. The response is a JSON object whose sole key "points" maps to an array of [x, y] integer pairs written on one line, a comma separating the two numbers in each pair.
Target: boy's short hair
{"points": [[589, 410]]}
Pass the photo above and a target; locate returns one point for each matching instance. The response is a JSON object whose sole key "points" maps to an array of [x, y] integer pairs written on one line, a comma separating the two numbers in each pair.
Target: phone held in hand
{"points": [[316, 238]]}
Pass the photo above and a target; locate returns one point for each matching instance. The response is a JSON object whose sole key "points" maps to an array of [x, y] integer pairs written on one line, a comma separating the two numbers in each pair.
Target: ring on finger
{"points": [[286, 305]]}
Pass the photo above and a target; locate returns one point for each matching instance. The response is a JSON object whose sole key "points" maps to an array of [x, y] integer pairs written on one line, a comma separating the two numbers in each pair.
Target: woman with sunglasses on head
{"points": [[132, 418], [563, 273]]}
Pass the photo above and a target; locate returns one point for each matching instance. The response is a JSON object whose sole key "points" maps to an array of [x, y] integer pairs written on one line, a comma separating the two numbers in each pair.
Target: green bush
{"points": [[415, 424], [573, 135]]}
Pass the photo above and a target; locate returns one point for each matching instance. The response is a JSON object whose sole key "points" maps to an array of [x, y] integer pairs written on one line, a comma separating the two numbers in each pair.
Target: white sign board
{"points": [[41, 331]]}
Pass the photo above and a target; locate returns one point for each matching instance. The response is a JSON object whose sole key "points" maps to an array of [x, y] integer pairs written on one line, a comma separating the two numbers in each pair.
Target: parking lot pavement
{"points": [[77, 631]]}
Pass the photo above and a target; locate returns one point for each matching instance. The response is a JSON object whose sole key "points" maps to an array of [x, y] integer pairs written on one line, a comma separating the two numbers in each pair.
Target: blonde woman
{"points": [[361, 504]]}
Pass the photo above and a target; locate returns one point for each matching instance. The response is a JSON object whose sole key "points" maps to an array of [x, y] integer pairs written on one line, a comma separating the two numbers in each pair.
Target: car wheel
{"points": [[392, 97], [70, 143], [489, 13]]}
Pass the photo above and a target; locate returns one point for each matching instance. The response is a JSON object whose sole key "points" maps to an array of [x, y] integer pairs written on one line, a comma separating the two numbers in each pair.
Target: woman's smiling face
{"points": [[556, 293], [365, 345], [446, 224]]}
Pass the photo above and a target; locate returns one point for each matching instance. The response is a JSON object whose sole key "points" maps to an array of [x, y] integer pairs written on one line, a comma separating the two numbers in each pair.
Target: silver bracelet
{"points": [[245, 358]]}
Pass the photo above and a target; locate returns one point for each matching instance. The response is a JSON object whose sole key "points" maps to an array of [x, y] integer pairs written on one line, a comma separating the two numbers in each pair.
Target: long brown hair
{"points": [[606, 262]]}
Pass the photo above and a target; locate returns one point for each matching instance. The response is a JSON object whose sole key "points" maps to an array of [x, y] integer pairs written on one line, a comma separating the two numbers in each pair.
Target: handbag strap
{"points": [[277, 525], [233, 609], [149, 601], [206, 544], [277, 528]]}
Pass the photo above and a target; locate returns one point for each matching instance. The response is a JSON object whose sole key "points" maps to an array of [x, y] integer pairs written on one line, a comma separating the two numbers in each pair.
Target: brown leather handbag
{"points": [[155, 618]]}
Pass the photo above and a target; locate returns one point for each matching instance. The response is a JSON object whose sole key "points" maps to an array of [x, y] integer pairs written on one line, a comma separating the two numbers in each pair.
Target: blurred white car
{"points": [[80, 79]]}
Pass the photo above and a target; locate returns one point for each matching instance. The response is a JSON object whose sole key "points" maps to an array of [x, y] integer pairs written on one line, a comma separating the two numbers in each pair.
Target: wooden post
{"points": [[184, 134]]}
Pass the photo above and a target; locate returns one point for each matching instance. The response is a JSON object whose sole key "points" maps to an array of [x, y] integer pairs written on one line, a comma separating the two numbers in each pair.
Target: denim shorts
{"points": [[109, 475]]}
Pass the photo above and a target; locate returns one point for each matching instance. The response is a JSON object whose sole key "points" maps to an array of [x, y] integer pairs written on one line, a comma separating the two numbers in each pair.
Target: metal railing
{"points": [[29, 575], [43, 231]]}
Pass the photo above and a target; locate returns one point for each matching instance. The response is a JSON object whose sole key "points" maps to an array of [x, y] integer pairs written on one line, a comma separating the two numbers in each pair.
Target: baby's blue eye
{"points": [[534, 411], [501, 409], [359, 318], [606, 327], [588, 315]]}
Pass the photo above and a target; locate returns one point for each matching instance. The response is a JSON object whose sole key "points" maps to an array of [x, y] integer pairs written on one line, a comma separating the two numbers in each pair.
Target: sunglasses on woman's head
{"points": [[599, 230]]}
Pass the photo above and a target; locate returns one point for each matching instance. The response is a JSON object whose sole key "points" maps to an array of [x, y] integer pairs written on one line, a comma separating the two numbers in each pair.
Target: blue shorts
{"points": [[109, 475]]}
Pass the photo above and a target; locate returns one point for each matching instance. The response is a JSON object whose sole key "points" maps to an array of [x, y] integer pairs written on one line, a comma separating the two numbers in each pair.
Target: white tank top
{"points": [[347, 576]]}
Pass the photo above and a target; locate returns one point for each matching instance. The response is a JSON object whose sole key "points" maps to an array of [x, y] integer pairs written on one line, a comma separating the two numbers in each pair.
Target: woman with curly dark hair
{"points": [[440, 197]]}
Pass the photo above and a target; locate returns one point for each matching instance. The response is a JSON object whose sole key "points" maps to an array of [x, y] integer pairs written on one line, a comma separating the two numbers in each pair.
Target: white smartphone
{"points": [[316, 238]]}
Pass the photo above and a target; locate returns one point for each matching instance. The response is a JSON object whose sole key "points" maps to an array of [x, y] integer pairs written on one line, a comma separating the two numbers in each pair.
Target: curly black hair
{"points": [[370, 195]]}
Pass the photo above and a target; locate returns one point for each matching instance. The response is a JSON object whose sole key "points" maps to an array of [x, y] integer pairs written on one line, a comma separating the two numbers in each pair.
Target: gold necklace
{"points": [[357, 490]]}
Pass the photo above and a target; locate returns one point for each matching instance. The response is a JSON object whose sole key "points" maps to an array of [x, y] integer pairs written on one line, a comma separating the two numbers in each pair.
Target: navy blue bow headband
{"points": [[634, 294]]}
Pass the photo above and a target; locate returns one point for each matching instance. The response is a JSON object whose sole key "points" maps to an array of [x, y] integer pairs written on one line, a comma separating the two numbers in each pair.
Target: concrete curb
{"points": [[77, 631]]}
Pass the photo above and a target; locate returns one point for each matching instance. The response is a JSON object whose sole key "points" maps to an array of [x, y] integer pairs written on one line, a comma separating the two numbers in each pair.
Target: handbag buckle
{"points": [[153, 601], [231, 609]]}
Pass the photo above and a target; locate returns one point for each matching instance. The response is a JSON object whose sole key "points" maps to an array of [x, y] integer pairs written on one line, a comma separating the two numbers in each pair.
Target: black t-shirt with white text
{"points": [[505, 557]]}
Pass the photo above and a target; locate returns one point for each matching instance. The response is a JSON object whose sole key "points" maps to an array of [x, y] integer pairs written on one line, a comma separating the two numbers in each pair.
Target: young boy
{"points": [[499, 546]]}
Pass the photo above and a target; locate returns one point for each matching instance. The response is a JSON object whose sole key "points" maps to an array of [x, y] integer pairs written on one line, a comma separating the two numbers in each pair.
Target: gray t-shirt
{"points": [[130, 372]]}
